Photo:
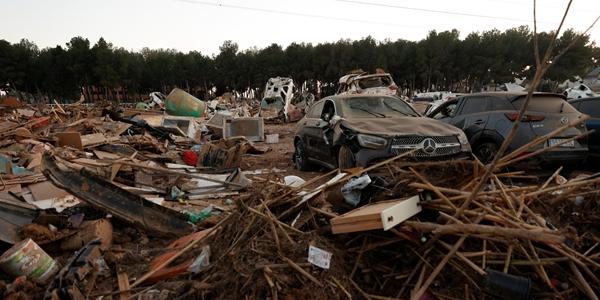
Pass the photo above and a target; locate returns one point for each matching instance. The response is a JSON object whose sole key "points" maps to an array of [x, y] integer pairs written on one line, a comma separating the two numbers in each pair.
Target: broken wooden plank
{"points": [[123, 281], [96, 139]]}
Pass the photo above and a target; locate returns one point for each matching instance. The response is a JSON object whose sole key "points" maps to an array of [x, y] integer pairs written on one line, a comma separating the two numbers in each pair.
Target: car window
{"points": [[372, 82], [376, 107], [474, 105], [546, 104], [591, 108], [500, 104], [316, 109], [446, 111], [328, 110]]}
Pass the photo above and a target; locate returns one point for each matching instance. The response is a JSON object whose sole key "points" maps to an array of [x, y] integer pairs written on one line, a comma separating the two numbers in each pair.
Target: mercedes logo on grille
{"points": [[429, 145], [564, 120]]}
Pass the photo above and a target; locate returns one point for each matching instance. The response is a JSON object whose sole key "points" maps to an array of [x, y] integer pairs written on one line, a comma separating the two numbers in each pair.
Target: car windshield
{"points": [[380, 107]]}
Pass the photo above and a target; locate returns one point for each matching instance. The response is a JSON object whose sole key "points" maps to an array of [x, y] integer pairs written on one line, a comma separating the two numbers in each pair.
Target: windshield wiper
{"points": [[396, 110], [377, 114]]}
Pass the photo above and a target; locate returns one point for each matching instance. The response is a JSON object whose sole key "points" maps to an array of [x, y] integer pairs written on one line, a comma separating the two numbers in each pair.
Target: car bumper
{"points": [[365, 157], [565, 156]]}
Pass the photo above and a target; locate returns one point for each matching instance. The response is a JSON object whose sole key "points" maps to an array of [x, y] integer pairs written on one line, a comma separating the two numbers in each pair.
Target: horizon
{"points": [[203, 26]]}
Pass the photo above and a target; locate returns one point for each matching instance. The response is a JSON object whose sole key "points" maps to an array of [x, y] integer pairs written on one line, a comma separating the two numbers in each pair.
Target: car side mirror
{"points": [[322, 124]]}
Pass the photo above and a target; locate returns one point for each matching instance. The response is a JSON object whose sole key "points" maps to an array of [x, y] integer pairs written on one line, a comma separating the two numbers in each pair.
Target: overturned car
{"points": [[357, 130]]}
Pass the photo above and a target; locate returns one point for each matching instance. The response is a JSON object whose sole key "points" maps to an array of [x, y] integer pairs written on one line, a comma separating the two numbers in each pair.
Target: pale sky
{"points": [[203, 25]]}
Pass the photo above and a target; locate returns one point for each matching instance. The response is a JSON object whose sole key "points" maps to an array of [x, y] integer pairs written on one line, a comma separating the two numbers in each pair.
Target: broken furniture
{"points": [[381, 215]]}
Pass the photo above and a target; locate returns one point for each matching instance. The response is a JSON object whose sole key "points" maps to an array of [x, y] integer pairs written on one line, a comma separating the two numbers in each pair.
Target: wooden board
{"points": [[96, 139], [72, 139], [106, 155], [381, 215], [46, 190], [123, 282]]}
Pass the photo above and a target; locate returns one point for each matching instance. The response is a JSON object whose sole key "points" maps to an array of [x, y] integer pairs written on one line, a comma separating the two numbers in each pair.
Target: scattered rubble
{"points": [[141, 204]]}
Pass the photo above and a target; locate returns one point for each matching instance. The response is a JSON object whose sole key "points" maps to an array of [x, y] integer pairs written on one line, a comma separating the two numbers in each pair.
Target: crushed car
{"points": [[487, 119], [280, 102], [580, 91], [358, 130], [369, 84]]}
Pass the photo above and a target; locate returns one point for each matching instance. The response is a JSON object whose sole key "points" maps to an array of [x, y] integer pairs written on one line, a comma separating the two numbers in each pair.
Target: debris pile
{"points": [[508, 242], [103, 202]]}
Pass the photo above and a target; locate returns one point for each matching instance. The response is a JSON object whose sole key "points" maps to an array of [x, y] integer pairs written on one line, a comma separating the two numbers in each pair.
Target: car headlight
{"points": [[464, 142], [371, 141], [462, 139]]}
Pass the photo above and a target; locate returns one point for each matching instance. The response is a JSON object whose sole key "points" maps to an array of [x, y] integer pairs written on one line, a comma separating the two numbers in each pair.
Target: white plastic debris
{"points": [[293, 181], [352, 190], [201, 262], [319, 257]]}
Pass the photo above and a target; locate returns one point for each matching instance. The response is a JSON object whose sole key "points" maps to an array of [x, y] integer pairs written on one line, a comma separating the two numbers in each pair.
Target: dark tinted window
{"points": [[546, 104], [474, 105], [316, 109], [501, 104], [591, 108]]}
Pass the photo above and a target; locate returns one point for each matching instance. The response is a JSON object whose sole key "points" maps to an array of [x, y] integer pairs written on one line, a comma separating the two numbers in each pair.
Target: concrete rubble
{"points": [[201, 201]]}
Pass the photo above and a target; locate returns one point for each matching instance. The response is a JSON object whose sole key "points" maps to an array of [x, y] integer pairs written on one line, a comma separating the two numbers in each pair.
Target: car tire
{"points": [[346, 158], [300, 160], [486, 151]]}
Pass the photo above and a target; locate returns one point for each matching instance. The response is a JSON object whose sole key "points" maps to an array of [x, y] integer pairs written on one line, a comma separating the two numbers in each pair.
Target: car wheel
{"points": [[346, 158], [300, 159], [486, 152]]}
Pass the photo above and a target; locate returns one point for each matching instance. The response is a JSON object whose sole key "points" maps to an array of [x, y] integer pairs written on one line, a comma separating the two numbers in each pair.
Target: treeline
{"points": [[441, 61]]}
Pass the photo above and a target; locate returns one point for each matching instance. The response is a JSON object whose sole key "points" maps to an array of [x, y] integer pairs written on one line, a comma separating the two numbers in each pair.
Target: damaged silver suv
{"points": [[357, 130]]}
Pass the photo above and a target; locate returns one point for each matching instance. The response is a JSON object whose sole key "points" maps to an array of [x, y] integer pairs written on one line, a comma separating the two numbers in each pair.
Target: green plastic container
{"points": [[180, 103]]}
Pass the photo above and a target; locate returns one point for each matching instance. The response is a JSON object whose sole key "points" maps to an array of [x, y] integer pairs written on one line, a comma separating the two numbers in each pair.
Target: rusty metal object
{"points": [[123, 204]]}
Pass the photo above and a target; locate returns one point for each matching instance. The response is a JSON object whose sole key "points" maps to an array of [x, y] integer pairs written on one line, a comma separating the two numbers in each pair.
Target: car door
{"points": [[325, 131], [311, 130], [473, 115], [591, 107]]}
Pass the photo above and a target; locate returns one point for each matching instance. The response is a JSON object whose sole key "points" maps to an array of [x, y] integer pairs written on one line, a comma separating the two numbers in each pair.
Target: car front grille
{"points": [[445, 145], [415, 139]]}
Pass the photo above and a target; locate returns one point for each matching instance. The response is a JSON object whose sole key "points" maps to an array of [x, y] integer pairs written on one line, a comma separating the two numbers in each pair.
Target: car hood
{"points": [[389, 127]]}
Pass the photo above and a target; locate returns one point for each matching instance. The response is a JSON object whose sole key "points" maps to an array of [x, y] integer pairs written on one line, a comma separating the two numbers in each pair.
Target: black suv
{"points": [[357, 130], [487, 118], [591, 107]]}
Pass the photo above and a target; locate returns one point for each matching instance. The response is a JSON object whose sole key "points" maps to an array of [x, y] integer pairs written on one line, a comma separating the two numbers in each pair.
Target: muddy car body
{"points": [[358, 130]]}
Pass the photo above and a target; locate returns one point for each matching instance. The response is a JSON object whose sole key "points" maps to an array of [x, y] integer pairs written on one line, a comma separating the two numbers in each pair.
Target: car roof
{"points": [[511, 96], [348, 96], [341, 97]]}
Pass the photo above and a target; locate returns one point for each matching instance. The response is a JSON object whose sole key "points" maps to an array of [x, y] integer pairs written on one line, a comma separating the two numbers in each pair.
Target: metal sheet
{"points": [[121, 203]]}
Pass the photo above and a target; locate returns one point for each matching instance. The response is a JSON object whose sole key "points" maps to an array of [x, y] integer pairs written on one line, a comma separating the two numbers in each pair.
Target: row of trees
{"points": [[441, 61]]}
